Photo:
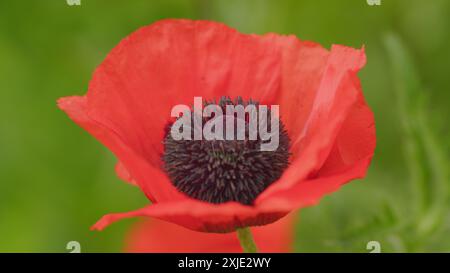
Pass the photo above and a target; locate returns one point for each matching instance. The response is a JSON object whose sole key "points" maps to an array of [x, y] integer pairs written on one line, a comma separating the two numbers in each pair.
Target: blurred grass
{"points": [[56, 180]]}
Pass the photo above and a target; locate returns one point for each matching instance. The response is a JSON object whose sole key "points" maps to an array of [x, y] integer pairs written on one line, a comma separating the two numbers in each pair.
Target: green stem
{"points": [[246, 239]]}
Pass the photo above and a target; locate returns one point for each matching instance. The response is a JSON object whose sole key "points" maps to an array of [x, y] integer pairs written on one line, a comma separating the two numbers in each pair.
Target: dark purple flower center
{"points": [[218, 171]]}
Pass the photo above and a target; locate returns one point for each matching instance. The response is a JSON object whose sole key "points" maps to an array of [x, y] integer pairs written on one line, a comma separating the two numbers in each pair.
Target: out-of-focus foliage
{"points": [[56, 180]]}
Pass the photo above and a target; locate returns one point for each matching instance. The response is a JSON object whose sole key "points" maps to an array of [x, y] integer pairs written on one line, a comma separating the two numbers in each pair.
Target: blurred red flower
{"points": [[130, 96], [158, 236]]}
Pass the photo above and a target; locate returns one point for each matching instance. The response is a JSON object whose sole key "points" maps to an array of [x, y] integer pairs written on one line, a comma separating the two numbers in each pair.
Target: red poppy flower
{"points": [[159, 236], [128, 103]]}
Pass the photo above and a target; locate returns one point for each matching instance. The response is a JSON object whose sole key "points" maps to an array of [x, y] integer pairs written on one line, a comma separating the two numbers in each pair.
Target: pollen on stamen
{"points": [[219, 171]]}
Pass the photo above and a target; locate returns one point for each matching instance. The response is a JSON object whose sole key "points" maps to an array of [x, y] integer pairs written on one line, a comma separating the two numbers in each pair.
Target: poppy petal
{"points": [[303, 67], [355, 141], [349, 159], [152, 235], [201, 216], [161, 188], [308, 193], [168, 63], [338, 91]]}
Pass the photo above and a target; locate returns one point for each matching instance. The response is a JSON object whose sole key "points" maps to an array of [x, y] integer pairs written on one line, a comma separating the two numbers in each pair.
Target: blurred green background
{"points": [[56, 180]]}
